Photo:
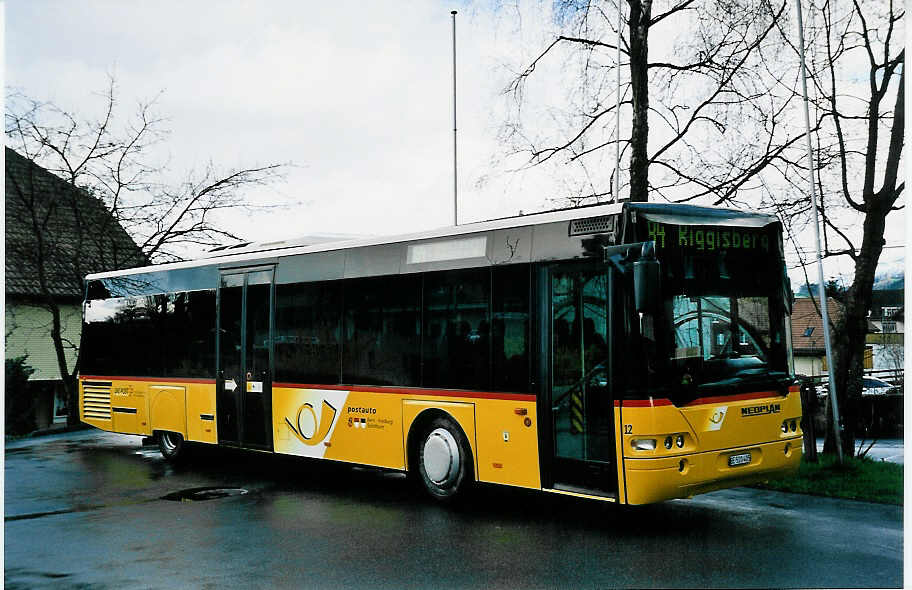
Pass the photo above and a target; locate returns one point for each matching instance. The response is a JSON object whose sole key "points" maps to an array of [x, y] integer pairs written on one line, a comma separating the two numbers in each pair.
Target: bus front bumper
{"points": [[683, 476]]}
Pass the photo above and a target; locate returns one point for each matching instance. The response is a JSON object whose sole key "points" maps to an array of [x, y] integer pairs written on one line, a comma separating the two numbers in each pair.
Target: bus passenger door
{"points": [[244, 384], [577, 411]]}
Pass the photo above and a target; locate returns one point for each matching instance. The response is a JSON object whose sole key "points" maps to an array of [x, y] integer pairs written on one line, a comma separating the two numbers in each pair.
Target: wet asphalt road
{"points": [[86, 510]]}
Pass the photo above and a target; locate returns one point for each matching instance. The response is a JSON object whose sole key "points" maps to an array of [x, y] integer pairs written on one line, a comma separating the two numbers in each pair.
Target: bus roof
{"points": [[665, 212]]}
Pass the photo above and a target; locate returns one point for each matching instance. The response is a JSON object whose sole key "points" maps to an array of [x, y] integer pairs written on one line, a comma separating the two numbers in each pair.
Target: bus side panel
{"points": [[351, 426], [369, 431], [507, 437], [168, 408], [115, 406], [130, 408], [201, 422], [463, 413], [138, 407]]}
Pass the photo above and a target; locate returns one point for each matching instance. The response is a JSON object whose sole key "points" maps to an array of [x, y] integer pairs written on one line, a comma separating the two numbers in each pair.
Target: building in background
{"points": [[886, 332], [807, 335], [55, 235]]}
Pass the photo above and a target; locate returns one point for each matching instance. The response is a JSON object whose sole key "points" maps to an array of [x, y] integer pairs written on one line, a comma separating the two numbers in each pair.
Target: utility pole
{"points": [[824, 314], [617, 115], [455, 182]]}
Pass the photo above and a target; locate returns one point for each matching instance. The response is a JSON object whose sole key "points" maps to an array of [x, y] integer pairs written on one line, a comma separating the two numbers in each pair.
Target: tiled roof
{"points": [[807, 325], [76, 234]]}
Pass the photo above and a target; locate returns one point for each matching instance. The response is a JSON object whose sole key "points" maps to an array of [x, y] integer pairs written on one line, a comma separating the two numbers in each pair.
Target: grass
{"points": [[855, 479]]}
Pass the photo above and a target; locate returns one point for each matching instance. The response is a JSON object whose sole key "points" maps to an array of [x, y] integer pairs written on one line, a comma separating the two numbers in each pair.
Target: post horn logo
{"points": [[307, 428]]}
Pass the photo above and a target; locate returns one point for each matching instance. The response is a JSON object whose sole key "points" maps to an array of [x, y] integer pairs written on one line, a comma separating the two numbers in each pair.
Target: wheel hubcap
{"points": [[441, 457]]}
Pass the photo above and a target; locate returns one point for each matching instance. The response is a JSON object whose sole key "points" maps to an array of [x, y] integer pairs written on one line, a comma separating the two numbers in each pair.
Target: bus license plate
{"points": [[742, 459]]}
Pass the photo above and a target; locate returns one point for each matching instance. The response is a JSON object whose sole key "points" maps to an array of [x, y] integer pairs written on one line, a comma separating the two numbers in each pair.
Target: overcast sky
{"points": [[357, 95]]}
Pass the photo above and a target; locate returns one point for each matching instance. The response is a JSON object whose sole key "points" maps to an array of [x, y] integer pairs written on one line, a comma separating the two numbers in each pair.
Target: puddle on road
{"points": [[202, 494], [147, 452]]}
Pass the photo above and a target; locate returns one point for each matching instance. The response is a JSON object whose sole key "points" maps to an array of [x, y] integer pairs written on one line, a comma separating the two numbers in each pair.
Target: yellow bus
{"points": [[629, 352]]}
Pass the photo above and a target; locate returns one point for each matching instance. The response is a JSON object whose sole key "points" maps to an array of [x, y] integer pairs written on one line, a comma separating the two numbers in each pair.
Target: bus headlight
{"points": [[679, 440], [644, 444], [785, 427], [667, 442]]}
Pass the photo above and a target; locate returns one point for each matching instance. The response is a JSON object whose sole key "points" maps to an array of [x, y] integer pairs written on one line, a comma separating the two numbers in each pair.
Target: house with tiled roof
{"points": [[807, 334], [55, 235]]}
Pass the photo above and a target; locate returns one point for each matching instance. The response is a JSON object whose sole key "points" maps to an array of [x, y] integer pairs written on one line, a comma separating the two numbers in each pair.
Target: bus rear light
{"points": [[644, 444]]}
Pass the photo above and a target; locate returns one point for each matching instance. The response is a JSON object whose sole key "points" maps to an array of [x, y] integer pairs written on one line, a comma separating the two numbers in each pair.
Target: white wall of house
{"points": [[28, 331], [809, 365]]}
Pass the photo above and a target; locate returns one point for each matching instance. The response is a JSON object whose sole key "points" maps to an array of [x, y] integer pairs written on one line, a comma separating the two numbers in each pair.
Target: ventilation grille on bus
{"points": [[96, 400], [593, 225]]}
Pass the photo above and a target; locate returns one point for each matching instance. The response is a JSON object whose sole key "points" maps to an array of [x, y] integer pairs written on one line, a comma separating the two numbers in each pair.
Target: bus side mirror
{"points": [[646, 278]]}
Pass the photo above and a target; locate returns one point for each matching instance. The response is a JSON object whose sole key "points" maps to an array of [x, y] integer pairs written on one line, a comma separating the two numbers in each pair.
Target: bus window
{"points": [[457, 329], [510, 328], [308, 323], [381, 338]]}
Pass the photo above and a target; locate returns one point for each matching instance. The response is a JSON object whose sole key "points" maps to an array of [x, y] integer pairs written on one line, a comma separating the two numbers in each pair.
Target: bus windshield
{"points": [[719, 326], [723, 326]]}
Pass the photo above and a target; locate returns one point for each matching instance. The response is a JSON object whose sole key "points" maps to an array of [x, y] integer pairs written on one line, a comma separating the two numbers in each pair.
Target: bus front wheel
{"points": [[444, 461], [171, 445]]}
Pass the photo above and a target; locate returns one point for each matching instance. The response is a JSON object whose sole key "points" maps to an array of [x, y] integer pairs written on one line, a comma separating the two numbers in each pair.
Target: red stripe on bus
{"points": [[521, 397], [648, 403], [150, 379], [642, 403]]}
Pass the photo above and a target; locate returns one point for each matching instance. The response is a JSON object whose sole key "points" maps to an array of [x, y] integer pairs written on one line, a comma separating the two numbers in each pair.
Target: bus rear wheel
{"points": [[444, 460], [171, 445]]}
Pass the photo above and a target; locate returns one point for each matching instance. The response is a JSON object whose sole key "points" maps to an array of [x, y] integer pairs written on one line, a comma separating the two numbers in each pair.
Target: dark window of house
{"points": [[307, 325], [381, 335], [457, 329], [510, 328], [808, 331]]}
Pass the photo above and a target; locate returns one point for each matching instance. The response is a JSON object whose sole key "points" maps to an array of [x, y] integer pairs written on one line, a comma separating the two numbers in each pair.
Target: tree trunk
{"points": [[849, 341], [68, 383], [850, 336], [640, 14]]}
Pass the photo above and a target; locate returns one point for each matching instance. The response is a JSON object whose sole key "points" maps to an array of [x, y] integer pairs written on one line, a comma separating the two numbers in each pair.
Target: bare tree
{"points": [[709, 102], [106, 183], [857, 78]]}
